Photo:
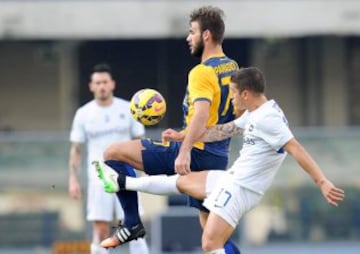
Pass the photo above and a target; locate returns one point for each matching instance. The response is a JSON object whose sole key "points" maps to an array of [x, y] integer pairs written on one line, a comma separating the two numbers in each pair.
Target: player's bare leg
{"points": [[193, 184], [128, 152], [216, 232]]}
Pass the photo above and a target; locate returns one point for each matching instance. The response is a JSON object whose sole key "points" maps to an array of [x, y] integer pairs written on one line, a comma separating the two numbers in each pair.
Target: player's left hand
{"points": [[332, 194], [182, 163], [172, 135]]}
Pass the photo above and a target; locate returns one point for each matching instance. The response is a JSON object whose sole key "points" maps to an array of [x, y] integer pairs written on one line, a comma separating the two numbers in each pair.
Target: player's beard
{"points": [[198, 49], [103, 95]]}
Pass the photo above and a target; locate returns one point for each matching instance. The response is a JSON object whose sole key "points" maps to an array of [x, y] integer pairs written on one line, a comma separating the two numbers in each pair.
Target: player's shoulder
{"points": [[121, 101], [201, 67], [269, 113], [87, 106], [208, 66], [220, 60]]}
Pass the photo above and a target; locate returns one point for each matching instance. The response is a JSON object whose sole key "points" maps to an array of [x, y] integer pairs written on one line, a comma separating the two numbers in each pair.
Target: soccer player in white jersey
{"points": [[230, 194], [98, 123]]}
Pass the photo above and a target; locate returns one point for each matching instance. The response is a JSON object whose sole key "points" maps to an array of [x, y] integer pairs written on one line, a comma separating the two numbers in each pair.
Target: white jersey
{"points": [[266, 131], [100, 126]]}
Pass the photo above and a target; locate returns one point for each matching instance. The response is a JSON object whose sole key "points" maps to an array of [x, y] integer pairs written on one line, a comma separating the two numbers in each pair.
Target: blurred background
{"points": [[308, 50]]}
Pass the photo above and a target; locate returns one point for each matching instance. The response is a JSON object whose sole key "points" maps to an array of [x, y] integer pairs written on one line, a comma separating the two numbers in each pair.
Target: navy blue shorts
{"points": [[159, 159]]}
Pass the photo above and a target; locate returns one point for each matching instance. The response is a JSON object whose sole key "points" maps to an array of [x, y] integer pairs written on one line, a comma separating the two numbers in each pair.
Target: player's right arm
{"points": [[221, 132], [74, 170], [226, 130], [213, 133]]}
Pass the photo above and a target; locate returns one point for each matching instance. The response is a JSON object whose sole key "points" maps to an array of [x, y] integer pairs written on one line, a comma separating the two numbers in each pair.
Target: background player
{"points": [[207, 102], [230, 194], [98, 123]]}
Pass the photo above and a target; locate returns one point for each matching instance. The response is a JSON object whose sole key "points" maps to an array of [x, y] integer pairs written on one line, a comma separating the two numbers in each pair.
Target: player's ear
{"points": [[206, 35], [91, 89], [244, 93]]}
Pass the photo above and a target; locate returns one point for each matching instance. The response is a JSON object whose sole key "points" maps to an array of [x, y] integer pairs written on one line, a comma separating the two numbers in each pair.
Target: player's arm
{"points": [[194, 131], [74, 170], [331, 193], [172, 135], [197, 125], [221, 131]]}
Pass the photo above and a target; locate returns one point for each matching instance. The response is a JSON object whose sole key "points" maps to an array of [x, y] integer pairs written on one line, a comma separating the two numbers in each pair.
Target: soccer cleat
{"points": [[123, 235], [108, 176]]}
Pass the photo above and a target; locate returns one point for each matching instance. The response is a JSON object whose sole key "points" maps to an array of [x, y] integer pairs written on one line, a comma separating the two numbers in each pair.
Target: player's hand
{"points": [[172, 135], [182, 163], [74, 188], [332, 194]]}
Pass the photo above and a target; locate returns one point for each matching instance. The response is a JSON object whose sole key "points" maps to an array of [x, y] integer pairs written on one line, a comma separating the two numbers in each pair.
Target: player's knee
{"points": [[112, 152], [207, 243]]}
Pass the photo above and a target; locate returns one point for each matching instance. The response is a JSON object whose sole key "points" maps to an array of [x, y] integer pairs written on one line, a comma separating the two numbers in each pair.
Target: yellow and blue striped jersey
{"points": [[210, 81]]}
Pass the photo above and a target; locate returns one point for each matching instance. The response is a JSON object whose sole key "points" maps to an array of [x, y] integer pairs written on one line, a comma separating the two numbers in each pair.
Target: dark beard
{"points": [[199, 49]]}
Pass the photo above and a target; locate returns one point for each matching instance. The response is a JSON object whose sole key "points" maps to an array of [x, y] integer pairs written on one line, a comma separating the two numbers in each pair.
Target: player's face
{"points": [[237, 97], [195, 40], [102, 85]]}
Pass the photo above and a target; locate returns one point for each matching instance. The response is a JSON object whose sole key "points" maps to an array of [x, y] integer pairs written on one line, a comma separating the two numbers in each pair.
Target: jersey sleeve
{"points": [[202, 83], [242, 120], [77, 133], [275, 131]]}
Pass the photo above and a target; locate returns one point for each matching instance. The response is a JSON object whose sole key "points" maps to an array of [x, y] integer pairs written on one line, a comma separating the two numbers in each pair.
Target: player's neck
{"points": [[257, 103], [105, 103], [210, 51]]}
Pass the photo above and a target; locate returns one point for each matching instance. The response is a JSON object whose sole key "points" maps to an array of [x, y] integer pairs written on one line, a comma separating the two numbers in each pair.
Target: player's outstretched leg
{"points": [[132, 228], [161, 185]]}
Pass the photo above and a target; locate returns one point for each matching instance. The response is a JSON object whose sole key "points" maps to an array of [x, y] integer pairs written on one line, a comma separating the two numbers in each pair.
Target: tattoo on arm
{"points": [[222, 131], [75, 158]]}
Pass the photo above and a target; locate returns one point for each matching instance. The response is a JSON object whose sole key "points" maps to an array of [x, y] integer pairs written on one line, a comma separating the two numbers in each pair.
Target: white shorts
{"points": [[103, 206], [227, 199]]}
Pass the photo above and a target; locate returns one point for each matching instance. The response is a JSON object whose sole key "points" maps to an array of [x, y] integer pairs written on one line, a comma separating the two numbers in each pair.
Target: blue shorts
{"points": [[159, 159]]}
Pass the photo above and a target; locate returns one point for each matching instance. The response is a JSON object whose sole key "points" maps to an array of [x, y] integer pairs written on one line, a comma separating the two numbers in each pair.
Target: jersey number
{"points": [[225, 81], [223, 198]]}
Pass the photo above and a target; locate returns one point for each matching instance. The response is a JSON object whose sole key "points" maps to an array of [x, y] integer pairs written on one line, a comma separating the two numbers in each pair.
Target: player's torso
{"points": [[258, 161], [255, 139], [216, 72], [106, 125]]}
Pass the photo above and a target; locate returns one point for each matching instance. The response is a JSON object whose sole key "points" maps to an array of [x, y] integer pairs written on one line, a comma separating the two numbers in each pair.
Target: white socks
{"points": [[157, 184], [138, 246], [218, 251], [95, 248]]}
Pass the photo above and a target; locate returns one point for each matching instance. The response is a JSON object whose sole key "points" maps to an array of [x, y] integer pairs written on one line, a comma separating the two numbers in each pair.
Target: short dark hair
{"points": [[102, 67], [250, 78], [210, 18]]}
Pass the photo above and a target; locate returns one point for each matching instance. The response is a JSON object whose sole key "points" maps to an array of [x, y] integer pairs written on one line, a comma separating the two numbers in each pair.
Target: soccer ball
{"points": [[148, 106]]}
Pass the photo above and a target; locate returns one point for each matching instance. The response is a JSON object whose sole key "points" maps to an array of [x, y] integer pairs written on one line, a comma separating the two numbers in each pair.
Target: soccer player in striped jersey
{"points": [[206, 103]]}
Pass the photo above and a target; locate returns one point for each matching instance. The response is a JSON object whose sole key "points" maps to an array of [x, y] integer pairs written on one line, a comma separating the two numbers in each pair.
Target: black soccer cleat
{"points": [[123, 235]]}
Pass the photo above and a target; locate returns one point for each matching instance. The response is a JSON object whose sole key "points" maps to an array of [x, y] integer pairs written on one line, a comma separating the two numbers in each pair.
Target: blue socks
{"points": [[128, 199], [230, 248]]}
